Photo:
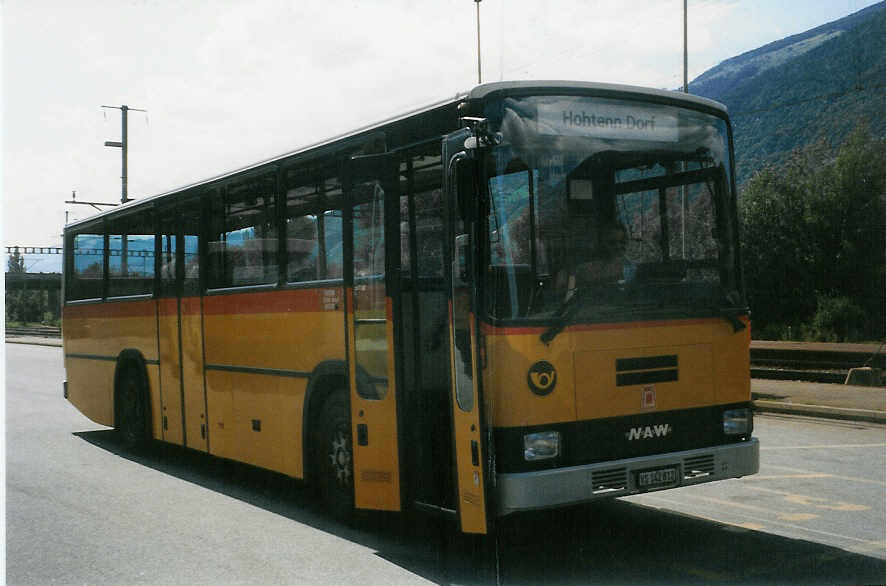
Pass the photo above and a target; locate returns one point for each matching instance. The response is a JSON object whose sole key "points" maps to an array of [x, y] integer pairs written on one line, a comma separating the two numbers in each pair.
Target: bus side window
{"points": [[313, 225], [168, 247], [86, 264], [369, 234], [189, 217], [131, 256], [243, 240]]}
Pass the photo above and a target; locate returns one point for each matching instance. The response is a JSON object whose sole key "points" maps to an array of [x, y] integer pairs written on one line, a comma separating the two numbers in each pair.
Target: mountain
{"points": [[817, 84]]}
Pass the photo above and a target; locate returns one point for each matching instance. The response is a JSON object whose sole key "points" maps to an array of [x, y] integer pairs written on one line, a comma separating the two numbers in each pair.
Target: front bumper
{"points": [[525, 491]]}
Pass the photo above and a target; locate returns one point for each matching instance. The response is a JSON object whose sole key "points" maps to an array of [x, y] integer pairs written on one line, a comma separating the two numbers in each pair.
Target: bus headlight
{"points": [[738, 421], [541, 446]]}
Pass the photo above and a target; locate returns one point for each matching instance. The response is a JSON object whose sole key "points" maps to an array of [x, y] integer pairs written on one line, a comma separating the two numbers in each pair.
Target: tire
{"points": [[333, 456], [131, 422]]}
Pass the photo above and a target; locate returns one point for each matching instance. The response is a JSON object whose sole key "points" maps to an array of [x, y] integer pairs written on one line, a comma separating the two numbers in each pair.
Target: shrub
{"points": [[836, 319]]}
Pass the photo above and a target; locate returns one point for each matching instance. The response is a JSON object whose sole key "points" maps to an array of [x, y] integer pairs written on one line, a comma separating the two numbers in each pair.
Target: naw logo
{"points": [[649, 432]]}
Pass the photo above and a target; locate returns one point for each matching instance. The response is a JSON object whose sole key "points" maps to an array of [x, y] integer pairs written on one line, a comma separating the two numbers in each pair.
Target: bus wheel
{"points": [[333, 463], [131, 422]]}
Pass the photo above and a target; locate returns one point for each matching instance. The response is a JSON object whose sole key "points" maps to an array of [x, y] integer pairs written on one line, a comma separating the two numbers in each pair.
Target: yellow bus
{"points": [[528, 296]]}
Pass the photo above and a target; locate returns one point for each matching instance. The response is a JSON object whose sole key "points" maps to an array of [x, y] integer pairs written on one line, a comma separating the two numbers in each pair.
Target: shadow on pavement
{"points": [[610, 542]]}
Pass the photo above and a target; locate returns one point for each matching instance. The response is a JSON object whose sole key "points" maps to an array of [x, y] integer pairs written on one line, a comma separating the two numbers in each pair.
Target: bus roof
{"points": [[614, 90], [480, 92]]}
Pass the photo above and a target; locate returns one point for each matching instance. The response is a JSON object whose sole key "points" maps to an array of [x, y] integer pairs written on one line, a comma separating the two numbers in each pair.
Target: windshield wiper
{"points": [[731, 314], [560, 315]]}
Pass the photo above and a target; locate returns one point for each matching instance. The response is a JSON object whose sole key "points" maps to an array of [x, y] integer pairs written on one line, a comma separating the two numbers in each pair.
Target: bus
{"points": [[528, 296]]}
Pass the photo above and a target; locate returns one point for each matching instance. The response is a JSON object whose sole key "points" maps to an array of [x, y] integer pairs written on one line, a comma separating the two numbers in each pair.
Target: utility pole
{"points": [[122, 144], [479, 75], [685, 49], [684, 204]]}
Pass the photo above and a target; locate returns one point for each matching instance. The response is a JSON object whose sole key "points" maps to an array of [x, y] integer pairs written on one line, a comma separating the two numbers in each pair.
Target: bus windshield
{"points": [[608, 210]]}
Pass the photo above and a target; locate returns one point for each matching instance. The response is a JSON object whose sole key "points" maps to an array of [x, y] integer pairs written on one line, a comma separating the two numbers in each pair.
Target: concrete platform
{"points": [[820, 400], [34, 340]]}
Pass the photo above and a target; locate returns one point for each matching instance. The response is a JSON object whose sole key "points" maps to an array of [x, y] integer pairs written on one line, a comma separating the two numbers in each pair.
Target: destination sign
{"points": [[606, 120]]}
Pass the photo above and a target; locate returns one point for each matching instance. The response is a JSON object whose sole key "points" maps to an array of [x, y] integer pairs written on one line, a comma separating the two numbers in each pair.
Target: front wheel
{"points": [[333, 456]]}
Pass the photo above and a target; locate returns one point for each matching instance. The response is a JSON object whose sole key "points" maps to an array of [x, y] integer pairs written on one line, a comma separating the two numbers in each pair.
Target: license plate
{"points": [[661, 477]]}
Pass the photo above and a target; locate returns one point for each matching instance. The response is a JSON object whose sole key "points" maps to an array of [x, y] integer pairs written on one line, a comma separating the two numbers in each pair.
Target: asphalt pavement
{"points": [[833, 401]]}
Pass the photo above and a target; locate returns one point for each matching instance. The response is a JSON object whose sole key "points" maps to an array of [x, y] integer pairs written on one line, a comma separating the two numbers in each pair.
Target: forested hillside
{"points": [[788, 94]]}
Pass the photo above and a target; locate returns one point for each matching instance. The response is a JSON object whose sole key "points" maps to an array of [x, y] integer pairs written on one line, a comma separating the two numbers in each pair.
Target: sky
{"points": [[227, 83]]}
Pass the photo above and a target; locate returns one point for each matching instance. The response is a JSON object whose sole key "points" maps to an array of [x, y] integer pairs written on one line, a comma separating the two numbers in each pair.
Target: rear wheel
{"points": [[333, 456], [132, 416]]}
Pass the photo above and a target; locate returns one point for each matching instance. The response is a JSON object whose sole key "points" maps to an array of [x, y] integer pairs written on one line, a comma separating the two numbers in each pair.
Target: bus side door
{"points": [[371, 262], [180, 329], [468, 426]]}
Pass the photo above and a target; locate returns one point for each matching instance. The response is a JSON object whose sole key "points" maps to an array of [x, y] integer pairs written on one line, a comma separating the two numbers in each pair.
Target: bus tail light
{"points": [[541, 446]]}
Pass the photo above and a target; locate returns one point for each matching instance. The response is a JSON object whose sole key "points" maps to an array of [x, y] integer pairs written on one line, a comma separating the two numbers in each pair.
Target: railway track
{"points": [[36, 331]]}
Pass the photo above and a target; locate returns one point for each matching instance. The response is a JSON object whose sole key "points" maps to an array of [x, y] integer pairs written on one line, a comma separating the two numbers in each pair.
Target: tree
{"points": [[22, 305], [814, 231], [16, 263]]}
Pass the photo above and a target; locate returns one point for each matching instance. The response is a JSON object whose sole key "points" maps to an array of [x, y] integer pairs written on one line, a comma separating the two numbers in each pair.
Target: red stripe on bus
{"points": [[491, 330], [167, 307], [191, 305], [292, 300], [141, 308]]}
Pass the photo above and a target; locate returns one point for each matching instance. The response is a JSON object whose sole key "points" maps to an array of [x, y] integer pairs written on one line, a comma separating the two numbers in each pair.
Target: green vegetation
{"points": [[25, 308], [814, 242]]}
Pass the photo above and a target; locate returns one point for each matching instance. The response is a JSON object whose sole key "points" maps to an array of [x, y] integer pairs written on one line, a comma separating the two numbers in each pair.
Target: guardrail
{"points": [[37, 331], [816, 362]]}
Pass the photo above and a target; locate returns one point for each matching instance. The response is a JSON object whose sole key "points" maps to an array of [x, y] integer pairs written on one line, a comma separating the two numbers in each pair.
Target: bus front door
{"points": [[468, 428], [372, 259]]}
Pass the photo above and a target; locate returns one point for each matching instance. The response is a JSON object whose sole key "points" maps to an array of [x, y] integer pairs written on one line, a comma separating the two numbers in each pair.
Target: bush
{"points": [[836, 319]]}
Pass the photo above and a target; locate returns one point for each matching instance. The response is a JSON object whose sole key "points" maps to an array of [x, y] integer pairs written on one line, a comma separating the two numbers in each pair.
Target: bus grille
{"points": [[698, 466], [609, 480]]}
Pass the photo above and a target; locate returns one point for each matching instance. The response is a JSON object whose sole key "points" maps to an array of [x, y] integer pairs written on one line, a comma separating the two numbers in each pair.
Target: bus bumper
{"points": [[559, 487]]}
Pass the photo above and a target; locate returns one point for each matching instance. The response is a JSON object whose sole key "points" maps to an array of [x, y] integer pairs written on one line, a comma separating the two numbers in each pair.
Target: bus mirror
{"points": [[482, 136], [465, 185]]}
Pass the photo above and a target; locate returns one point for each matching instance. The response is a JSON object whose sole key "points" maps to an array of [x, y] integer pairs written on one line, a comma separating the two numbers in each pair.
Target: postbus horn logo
{"points": [[542, 377]]}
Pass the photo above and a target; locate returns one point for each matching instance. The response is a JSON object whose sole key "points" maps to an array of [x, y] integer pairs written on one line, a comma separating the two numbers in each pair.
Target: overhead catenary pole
{"points": [[479, 74], [123, 145], [685, 49], [94, 204], [683, 201]]}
